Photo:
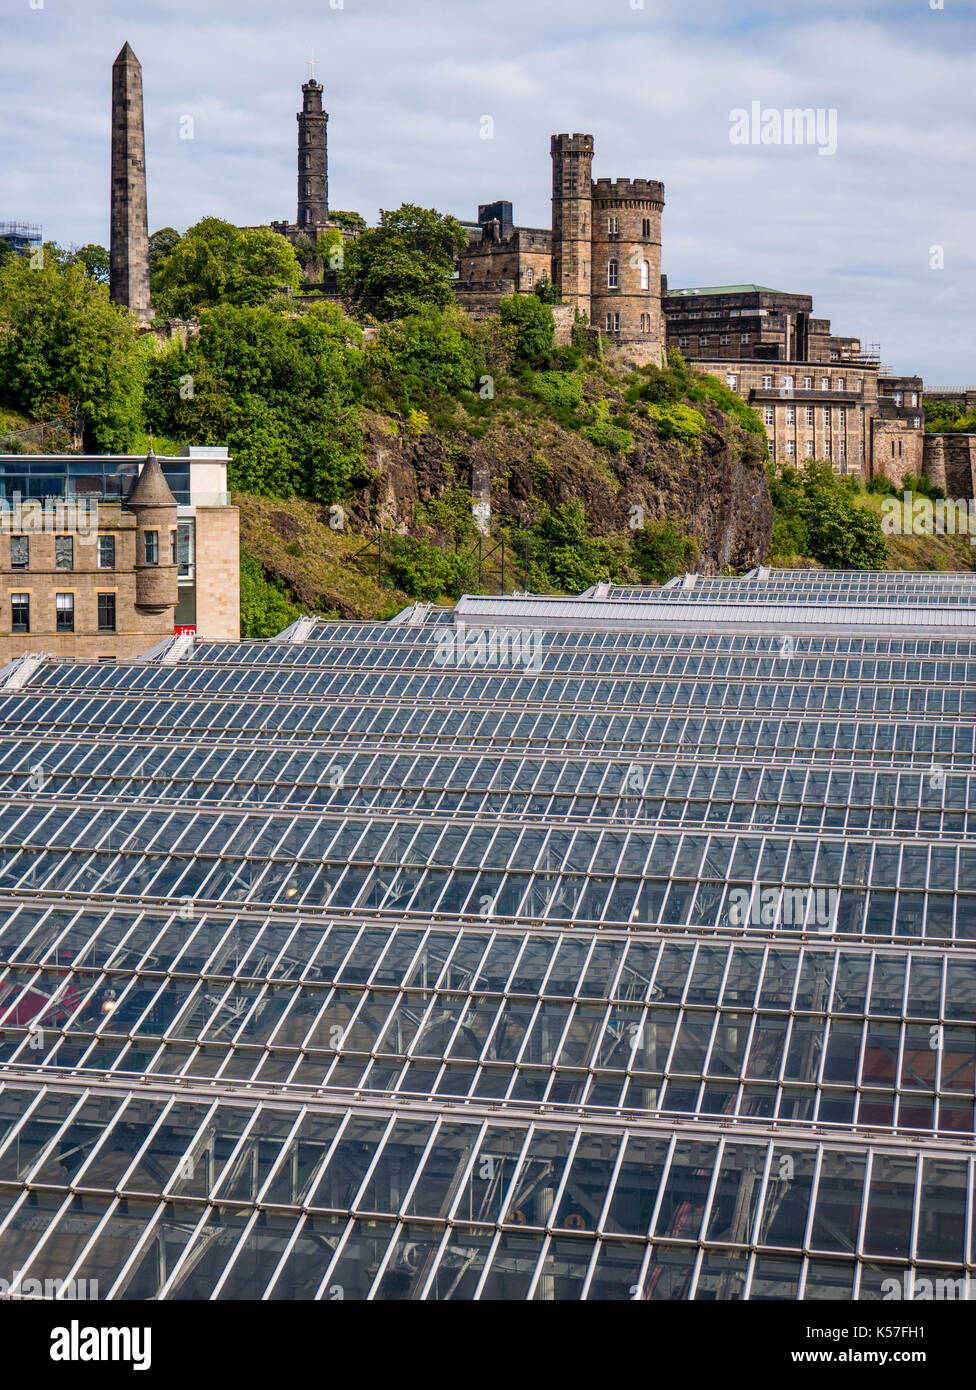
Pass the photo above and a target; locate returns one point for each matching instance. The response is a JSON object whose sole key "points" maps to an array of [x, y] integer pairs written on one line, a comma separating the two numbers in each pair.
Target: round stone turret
{"points": [[154, 506], [313, 158], [626, 260]]}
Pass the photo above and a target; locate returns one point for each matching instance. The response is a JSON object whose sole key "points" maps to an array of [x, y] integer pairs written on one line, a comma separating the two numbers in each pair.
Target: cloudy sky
{"points": [[409, 83]]}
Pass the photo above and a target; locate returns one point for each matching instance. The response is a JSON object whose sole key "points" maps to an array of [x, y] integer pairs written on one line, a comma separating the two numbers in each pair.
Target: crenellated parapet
{"points": [[646, 191]]}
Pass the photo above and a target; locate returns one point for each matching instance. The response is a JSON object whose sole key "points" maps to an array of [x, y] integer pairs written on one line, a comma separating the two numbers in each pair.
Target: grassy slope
{"points": [[908, 552], [321, 576], [11, 420], [923, 552]]}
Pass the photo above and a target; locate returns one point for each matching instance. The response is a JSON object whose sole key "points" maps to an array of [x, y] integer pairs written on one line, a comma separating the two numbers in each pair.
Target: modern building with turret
{"points": [[104, 557]]}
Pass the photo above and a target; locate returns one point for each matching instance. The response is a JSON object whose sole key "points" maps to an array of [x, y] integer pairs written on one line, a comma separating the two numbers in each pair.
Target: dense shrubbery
{"points": [[603, 432], [949, 417], [534, 325], [666, 391], [677, 422], [816, 517], [558, 553], [662, 550], [420, 358], [427, 572], [709, 388], [560, 392], [282, 392], [922, 487], [63, 342], [265, 607], [215, 263]]}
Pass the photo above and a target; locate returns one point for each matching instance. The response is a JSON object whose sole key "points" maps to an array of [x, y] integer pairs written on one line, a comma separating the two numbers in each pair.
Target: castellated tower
{"points": [[129, 277], [313, 159], [572, 166], [606, 248], [626, 262]]}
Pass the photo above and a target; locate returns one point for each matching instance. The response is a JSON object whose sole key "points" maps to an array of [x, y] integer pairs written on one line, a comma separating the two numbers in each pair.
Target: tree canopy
{"points": [[949, 417], [161, 244], [281, 391], [96, 260], [817, 517], [347, 219], [215, 263], [61, 339], [404, 265]]}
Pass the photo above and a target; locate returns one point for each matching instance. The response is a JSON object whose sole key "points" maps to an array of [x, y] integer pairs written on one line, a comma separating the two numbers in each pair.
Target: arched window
{"points": [[645, 275], [613, 275], [531, 276]]}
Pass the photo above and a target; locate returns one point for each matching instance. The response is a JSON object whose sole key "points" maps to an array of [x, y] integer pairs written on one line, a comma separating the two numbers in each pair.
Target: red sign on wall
{"points": [[184, 631]]}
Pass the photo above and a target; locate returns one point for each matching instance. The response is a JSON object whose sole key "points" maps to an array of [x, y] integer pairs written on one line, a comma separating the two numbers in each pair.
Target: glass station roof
{"points": [[418, 961]]}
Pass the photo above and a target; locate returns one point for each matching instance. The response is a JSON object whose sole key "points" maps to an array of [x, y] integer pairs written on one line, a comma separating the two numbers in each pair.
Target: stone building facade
{"points": [[809, 410], [122, 555], [950, 463], [753, 322], [625, 264], [501, 259], [897, 450], [866, 424]]}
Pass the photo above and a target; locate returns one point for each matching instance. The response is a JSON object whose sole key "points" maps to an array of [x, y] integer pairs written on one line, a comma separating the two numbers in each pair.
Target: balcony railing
{"points": [[783, 393]]}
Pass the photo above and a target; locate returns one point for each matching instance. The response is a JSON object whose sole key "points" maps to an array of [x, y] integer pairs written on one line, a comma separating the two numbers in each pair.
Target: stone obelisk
{"points": [[130, 229]]}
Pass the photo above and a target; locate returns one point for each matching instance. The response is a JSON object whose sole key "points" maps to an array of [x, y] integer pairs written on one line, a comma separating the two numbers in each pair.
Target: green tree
{"points": [[60, 337], [161, 245], [423, 356], [404, 265], [427, 572], [348, 219], [282, 392], [216, 263], [815, 510], [534, 326], [949, 417], [96, 261], [559, 554]]}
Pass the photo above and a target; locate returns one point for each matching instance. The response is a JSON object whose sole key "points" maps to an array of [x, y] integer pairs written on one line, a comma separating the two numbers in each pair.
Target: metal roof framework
{"points": [[334, 968]]}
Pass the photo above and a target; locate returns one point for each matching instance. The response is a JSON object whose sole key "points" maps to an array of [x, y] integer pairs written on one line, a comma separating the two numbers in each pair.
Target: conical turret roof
{"points": [[151, 489]]}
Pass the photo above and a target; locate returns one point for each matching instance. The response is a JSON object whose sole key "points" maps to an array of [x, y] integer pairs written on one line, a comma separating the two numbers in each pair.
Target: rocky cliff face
{"points": [[717, 485]]}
